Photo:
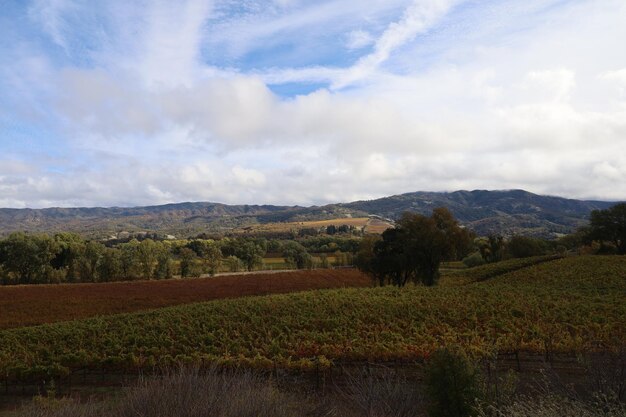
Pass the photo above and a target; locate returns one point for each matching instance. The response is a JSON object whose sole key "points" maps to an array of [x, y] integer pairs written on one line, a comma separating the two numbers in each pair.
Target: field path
{"points": [[27, 305]]}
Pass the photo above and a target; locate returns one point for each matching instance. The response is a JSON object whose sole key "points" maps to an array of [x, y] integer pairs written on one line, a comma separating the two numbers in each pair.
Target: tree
{"points": [[187, 257], [366, 259], [296, 255], [250, 253], [233, 263], [68, 258], [210, 253], [88, 261], [610, 226], [414, 249], [147, 254], [129, 260], [492, 249], [525, 247], [110, 265], [28, 258], [165, 265]]}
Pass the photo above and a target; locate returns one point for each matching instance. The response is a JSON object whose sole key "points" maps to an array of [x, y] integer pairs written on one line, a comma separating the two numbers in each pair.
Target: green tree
{"points": [[296, 255], [250, 253], [28, 258], [610, 226], [491, 249], [71, 249], [210, 253], [146, 254], [324, 261], [415, 247], [110, 265], [525, 247], [129, 257], [165, 264], [187, 260], [88, 261], [233, 263]]}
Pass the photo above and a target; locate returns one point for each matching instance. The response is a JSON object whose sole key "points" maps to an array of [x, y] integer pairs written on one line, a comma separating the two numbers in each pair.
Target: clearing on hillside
{"points": [[367, 224]]}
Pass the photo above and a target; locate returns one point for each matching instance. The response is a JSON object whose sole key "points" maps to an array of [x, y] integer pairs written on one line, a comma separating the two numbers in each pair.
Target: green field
{"points": [[569, 305]]}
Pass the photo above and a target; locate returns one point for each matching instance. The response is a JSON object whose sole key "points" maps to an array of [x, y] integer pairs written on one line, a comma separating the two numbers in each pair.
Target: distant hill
{"points": [[500, 212]]}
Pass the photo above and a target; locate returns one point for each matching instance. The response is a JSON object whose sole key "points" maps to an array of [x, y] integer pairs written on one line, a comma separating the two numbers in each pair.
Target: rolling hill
{"points": [[501, 212]]}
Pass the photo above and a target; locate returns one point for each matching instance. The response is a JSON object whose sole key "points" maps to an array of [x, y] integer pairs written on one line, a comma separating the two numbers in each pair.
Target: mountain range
{"points": [[505, 212]]}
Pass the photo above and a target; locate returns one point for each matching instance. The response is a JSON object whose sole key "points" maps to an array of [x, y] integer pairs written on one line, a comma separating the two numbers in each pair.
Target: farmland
{"points": [[563, 306], [367, 224], [31, 305]]}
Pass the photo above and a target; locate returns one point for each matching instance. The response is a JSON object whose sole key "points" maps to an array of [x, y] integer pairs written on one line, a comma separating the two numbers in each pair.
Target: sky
{"points": [[126, 103]]}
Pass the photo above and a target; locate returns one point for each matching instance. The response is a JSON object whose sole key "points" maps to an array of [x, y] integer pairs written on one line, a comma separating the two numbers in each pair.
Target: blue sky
{"points": [[308, 102]]}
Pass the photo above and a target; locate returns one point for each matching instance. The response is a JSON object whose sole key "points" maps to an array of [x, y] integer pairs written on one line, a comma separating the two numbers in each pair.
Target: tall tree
{"points": [[415, 247], [187, 259], [28, 258], [296, 255], [68, 258], [89, 260], [147, 253], [110, 266], [250, 252], [209, 252], [610, 225]]}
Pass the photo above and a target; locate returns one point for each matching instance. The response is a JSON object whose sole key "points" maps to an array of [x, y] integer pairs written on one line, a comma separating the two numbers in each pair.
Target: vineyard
{"points": [[460, 276], [568, 305], [38, 304]]}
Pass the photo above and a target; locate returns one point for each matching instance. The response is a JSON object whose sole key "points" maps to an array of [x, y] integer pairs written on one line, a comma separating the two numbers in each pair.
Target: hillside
{"points": [[500, 212]]}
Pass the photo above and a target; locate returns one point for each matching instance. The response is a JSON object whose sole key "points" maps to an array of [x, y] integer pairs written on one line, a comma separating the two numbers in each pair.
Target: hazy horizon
{"points": [[290, 102]]}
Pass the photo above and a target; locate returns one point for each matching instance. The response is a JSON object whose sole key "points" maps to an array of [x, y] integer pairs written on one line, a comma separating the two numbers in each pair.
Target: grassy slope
{"points": [[572, 304]]}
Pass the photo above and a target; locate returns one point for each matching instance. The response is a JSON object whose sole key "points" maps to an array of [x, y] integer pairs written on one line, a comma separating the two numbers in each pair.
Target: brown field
{"points": [[28, 305], [377, 226], [370, 225]]}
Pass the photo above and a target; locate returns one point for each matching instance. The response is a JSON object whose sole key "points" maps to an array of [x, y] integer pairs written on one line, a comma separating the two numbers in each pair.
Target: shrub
{"points": [[475, 259], [525, 247], [452, 385]]}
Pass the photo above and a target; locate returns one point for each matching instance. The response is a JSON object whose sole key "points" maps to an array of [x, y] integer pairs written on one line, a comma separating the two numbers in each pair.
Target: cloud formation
{"points": [[289, 102]]}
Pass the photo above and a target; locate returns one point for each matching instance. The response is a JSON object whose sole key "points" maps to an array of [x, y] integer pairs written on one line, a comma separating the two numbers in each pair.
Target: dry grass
{"points": [[370, 225], [38, 304], [191, 393]]}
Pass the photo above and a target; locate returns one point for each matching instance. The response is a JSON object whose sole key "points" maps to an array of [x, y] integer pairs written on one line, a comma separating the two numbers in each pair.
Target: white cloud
{"points": [[417, 18], [150, 122], [172, 42], [358, 39]]}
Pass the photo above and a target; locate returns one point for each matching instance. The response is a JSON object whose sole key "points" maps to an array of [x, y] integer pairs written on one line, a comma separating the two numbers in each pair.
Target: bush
{"points": [[234, 264], [452, 385], [526, 247], [475, 259]]}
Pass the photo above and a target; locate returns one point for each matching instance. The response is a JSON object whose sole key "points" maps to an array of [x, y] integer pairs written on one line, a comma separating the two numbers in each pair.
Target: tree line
{"points": [[67, 257], [412, 251]]}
